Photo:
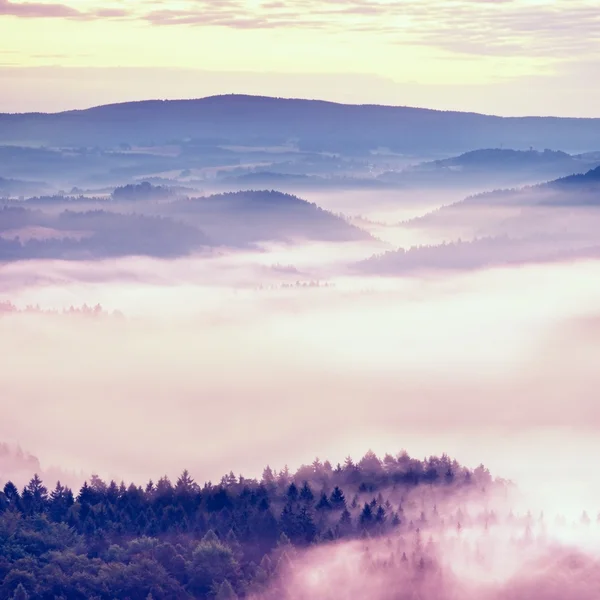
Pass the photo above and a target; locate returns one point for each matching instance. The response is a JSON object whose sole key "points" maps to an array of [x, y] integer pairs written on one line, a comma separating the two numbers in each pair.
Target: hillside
{"points": [[316, 125], [497, 158], [147, 220], [556, 220], [579, 190], [584, 182], [492, 167], [237, 218], [183, 540]]}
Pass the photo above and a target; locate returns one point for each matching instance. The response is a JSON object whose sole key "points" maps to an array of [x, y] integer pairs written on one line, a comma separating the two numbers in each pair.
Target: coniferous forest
{"points": [[234, 539]]}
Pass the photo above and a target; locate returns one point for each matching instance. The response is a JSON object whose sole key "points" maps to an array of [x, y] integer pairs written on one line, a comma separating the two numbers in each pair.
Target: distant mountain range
{"points": [[312, 124]]}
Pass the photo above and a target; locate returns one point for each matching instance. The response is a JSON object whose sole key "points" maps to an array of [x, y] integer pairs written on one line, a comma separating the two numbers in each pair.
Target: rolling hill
{"points": [[315, 125]]}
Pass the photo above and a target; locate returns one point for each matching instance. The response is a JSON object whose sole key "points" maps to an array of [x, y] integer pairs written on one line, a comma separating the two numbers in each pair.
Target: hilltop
{"points": [[314, 124]]}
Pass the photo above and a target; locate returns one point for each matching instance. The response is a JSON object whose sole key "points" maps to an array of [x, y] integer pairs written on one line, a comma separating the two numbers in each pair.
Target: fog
{"points": [[216, 365], [155, 348], [498, 562]]}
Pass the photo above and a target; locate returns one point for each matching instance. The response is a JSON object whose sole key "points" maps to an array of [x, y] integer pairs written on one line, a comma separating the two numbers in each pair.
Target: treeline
{"points": [[7, 307], [488, 251], [183, 540], [96, 234]]}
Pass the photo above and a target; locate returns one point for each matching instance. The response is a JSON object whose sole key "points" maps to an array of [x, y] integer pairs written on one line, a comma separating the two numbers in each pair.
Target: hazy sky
{"points": [[500, 56]]}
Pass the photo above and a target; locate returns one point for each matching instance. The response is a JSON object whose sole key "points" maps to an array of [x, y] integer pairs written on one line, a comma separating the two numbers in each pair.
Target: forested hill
{"points": [[316, 125], [181, 540]]}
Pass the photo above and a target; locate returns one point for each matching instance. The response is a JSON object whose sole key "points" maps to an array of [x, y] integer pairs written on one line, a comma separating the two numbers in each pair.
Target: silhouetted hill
{"points": [[589, 180], [165, 224], [556, 220], [581, 190], [315, 124], [478, 253], [238, 218], [74, 235], [497, 158], [493, 167]]}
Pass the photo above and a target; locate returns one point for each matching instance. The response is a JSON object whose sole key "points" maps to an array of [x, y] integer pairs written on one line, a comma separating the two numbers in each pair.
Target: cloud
{"points": [[514, 558], [42, 10], [422, 364], [554, 30], [506, 27], [37, 10]]}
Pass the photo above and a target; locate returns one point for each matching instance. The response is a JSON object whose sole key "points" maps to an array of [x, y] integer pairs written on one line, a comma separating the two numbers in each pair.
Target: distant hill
{"points": [[64, 227], [481, 252], [556, 220], [293, 181], [314, 124], [497, 158], [581, 190], [493, 167], [87, 235], [268, 177], [243, 217], [589, 181], [16, 187]]}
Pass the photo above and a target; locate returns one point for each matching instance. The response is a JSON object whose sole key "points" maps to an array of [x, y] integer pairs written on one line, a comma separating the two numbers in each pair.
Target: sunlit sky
{"points": [[496, 56]]}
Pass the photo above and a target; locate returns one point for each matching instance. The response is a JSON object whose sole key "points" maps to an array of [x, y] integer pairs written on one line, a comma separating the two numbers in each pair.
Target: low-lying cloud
{"points": [[509, 560], [211, 372]]}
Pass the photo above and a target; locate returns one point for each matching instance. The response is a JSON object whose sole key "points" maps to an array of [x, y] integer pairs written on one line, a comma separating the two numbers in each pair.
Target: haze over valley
{"points": [[296, 346]]}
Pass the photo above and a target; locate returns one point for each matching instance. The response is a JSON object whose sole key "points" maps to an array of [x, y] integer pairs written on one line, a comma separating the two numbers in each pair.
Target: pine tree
{"points": [[20, 593], [323, 503], [337, 499], [266, 563], [210, 537], [12, 494], [232, 541], [306, 494], [292, 492], [35, 495], [226, 592], [307, 525], [366, 515], [268, 478], [346, 518]]}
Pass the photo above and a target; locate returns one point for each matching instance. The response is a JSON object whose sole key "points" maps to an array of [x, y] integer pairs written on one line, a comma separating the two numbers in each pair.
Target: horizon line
{"points": [[293, 99]]}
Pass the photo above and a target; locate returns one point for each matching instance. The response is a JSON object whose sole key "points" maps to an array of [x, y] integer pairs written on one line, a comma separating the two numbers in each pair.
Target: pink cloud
{"points": [[39, 10]]}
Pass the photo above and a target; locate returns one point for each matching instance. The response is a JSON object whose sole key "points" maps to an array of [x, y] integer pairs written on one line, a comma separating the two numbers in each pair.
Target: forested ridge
{"points": [[183, 540]]}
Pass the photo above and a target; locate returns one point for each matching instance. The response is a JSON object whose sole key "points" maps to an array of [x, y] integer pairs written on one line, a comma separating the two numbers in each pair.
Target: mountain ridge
{"points": [[316, 125], [314, 101]]}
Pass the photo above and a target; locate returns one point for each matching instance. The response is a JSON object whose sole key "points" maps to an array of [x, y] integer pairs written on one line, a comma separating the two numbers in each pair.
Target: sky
{"points": [[508, 57]]}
